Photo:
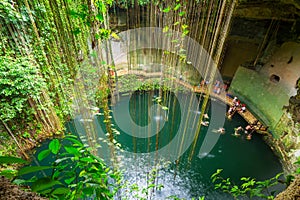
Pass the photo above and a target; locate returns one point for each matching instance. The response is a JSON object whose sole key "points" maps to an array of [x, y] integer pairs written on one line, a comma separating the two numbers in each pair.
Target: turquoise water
{"points": [[237, 156]]}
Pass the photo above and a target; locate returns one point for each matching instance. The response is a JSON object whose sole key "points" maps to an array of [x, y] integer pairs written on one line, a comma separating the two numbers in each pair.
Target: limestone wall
{"points": [[284, 63], [263, 97], [267, 93]]}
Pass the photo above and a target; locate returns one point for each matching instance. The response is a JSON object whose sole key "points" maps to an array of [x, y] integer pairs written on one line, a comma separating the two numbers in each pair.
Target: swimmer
{"points": [[206, 116], [249, 136], [204, 123], [239, 128], [221, 130], [248, 127], [236, 131]]}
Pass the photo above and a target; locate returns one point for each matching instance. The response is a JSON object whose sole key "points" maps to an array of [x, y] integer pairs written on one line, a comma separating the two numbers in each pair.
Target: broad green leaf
{"points": [[45, 192], [82, 173], [88, 190], [177, 7], [75, 141], [30, 169], [44, 183], [87, 159], [72, 150], [43, 154], [181, 13], [165, 29], [114, 35], [54, 146], [176, 23], [278, 175], [69, 180], [61, 191], [216, 173], [185, 32], [99, 16], [11, 160], [69, 135], [9, 173], [20, 181], [166, 10], [165, 108], [56, 174], [245, 179], [184, 26]]}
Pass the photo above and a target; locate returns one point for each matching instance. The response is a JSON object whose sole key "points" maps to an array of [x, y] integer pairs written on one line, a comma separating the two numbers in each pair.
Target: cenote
{"points": [[190, 175], [106, 89]]}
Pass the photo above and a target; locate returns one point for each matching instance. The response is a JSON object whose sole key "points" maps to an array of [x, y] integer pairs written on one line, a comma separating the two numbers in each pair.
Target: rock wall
{"points": [[271, 93], [289, 139], [263, 97], [292, 192]]}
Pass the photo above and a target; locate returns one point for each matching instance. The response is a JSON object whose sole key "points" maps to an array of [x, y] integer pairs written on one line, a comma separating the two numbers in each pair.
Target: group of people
{"points": [[236, 106], [205, 123], [218, 87], [248, 130]]}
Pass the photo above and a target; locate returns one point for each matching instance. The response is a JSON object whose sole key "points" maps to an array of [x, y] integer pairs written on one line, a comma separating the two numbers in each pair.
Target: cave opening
{"points": [[274, 78]]}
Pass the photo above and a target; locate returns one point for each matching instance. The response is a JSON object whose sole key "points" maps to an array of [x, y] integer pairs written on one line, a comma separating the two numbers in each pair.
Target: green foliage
{"points": [[11, 160], [291, 177], [7, 146], [19, 81], [127, 4], [298, 164], [76, 173], [8, 12], [128, 83], [248, 188], [31, 169], [102, 92], [131, 83], [54, 146], [166, 10]]}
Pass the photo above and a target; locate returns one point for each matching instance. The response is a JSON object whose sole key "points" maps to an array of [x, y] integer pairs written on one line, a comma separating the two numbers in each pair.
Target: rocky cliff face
{"points": [[289, 126], [265, 38], [292, 192], [258, 29], [294, 105]]}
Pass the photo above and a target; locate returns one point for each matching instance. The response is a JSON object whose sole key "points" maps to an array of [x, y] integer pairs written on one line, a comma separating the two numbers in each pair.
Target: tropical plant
{"points": [[19, 81], [248, 188], [75, 173]]}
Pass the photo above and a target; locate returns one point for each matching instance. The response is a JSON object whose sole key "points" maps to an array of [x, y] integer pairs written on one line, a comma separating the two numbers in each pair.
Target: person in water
{"points": [[204, 123], [237, 130], [221, 130], [249, 136], [206, 116], [249, 130]]}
